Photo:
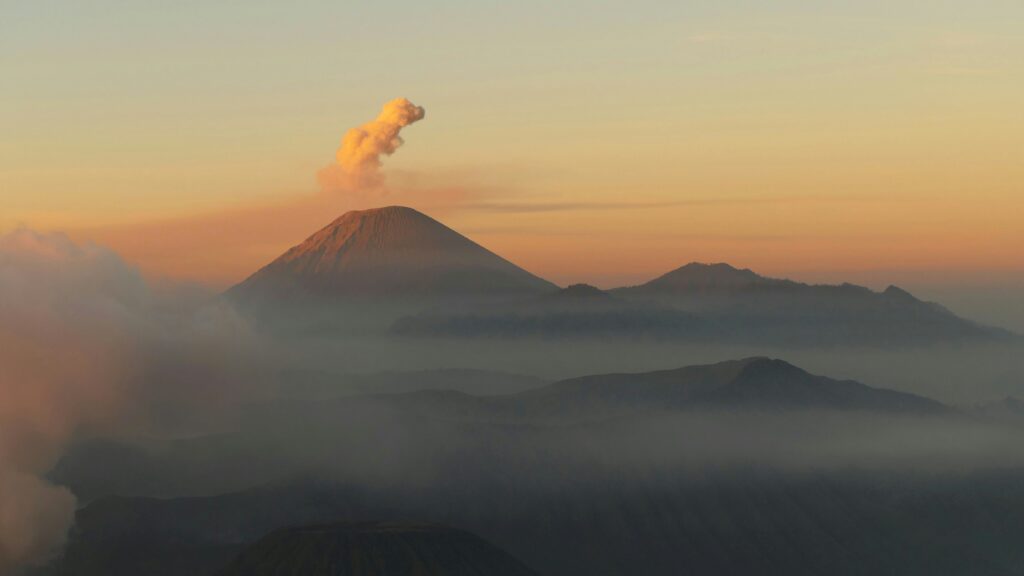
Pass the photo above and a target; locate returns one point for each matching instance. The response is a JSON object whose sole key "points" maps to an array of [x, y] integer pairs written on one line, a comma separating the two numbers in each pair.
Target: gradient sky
{"points": [[587, 141]]}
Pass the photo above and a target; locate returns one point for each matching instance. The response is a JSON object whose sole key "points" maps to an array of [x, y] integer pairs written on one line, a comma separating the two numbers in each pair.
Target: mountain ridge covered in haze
{"points": [[426, 280], [713, 469], [752, 385]]}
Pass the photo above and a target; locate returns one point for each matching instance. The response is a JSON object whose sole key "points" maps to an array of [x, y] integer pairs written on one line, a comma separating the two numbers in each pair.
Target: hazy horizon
{"points": [[604, 146], [286, 287]]}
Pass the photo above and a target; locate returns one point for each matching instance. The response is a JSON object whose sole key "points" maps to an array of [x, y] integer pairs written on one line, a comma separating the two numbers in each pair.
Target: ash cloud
{"points": [[87, 347], [358, 161]]}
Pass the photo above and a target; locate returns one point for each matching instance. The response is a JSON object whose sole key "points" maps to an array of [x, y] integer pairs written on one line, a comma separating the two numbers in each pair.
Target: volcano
{"points": [[392, 251]]}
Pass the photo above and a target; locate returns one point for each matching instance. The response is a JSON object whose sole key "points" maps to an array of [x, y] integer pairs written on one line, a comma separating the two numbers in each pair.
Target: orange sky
{"points": [[609, 243], [823, 141]]}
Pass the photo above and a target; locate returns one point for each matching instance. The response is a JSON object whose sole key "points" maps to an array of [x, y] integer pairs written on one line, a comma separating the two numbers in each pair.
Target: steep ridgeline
{"points": [[387, 252]]}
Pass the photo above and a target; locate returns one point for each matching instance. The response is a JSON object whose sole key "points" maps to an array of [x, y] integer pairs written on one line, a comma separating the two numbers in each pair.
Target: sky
{"points": [[605, 142]]}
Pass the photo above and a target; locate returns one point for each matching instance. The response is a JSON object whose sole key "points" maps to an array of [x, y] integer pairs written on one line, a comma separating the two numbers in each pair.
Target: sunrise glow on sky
{"points": [[585, 141]]}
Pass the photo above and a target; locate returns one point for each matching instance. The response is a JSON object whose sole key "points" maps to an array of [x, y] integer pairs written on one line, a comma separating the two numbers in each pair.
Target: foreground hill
{"points": [[748, 522], [374, 549]]}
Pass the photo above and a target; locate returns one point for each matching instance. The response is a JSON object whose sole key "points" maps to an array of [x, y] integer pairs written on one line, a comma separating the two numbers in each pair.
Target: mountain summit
{"points": [[389, 251], [717, 276]]}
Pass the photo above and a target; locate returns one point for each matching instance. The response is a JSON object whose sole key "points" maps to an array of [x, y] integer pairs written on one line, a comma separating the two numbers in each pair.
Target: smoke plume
{"points": [[358, 159], [87, 347]]}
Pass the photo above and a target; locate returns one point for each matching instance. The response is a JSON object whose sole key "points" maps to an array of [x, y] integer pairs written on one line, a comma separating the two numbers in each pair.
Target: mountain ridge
{"points": [[755, 382], [374, 549], [387, 251], [396, 270]]}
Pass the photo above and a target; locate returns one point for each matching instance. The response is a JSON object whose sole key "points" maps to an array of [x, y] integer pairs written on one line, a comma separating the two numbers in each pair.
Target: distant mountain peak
{"points": [[756, 382], [766, 365], [704, 275], [582, 291], [723, 266], [896, 292], [389, 250]]}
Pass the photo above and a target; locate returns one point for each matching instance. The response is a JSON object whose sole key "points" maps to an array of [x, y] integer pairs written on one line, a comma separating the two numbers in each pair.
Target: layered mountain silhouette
{"points": [[725, 468], [374, 549], [755, 384], [747, 306], [425, 279], [426, 404], [758, 383], [392, 251], [717, 303], [721, 287]]}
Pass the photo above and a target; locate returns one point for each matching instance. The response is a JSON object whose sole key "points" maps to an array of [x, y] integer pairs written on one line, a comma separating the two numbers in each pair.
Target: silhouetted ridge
{"points": [[749, 383], [374, 549], [582, 291], [699, 275], [762, 369], [426, 280]]}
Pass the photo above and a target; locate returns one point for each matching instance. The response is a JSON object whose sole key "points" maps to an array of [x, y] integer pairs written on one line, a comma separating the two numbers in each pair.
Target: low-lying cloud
{"points": [[88, 347]]}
